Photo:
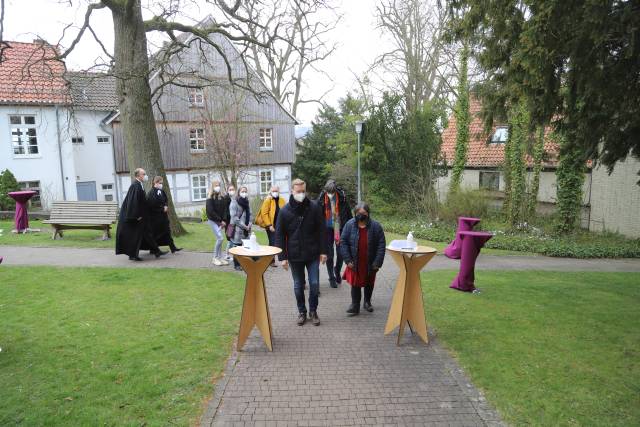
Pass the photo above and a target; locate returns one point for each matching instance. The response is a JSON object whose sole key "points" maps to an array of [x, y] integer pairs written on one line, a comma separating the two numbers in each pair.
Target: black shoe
{"points": [[302, 318], [174, 250], [315, 320], [160, 253], [135, 258], [333, 283], [353, 310], [367, 306], [336, 273], [237, 268]]}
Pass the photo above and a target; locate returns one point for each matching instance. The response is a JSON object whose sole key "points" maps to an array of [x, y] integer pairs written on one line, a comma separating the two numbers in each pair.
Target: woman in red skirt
{"points": [[362, 246]]}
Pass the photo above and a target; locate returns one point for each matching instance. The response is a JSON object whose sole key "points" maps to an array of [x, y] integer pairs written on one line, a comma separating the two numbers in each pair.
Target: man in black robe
{"points": [[133, 231], [158, 217]]}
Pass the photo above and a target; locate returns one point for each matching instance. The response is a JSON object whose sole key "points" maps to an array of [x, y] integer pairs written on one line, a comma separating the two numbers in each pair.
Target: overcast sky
{"points": [[359, 42]]}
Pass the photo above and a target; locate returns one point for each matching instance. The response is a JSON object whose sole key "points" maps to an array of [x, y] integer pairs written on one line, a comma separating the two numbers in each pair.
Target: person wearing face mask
{"points": [[132, 231], [239, 221], [268, 214], [363, 249], [217, 209], [335, 206], [158, 217], [299, 233]]}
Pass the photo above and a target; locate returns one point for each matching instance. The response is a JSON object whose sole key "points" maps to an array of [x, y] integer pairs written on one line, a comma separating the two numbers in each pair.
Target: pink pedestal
{"points": [[464, 224], [472, 242], [21, 198]]}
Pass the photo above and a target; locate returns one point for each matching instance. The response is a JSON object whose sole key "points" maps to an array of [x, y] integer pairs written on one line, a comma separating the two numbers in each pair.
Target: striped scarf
{"points": [[327, 208]]}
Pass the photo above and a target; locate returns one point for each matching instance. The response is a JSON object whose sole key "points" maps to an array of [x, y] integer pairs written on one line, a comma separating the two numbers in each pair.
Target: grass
{"points": [[98, 346], [200, 238], [547, 348]]}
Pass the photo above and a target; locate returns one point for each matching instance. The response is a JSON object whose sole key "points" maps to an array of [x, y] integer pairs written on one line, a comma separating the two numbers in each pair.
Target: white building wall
{"points": [[93, 160], [45, 166]]}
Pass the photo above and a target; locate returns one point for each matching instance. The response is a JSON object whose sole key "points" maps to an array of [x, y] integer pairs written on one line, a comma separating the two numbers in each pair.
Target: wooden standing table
{"points": [[407, 304], [255, 308]]}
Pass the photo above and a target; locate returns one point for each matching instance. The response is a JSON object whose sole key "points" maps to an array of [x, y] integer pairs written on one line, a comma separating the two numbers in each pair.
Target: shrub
{"points": [[8, 183], [473, 203]]}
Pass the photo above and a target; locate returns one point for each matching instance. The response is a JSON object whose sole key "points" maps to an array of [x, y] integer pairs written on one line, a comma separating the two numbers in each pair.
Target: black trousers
{"points": [[356, 294]]}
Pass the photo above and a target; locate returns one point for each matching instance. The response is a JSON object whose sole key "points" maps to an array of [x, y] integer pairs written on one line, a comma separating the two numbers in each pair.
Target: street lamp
{"points": [[359, 132]]}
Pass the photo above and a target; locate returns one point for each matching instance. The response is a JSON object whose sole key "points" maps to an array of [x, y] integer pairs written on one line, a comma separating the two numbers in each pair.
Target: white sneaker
{"points": [[216, 261], [228, 258], [223, 261]]}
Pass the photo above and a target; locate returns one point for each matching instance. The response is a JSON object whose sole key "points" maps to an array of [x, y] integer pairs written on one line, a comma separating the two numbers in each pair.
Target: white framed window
{"points": [[490, 181], [501, 135], [266, 139], [196, 97], [32, 186], [104, 139], [266, 180], [108, 197], [77, 140], [196, 140], [198, 187], [24, 138], [107, 187]]}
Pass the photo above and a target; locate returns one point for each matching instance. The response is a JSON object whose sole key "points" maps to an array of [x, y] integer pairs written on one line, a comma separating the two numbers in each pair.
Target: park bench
{"points": [[83, 216]]}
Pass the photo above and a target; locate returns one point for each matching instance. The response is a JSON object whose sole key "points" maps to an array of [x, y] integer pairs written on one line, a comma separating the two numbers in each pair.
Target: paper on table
{"points": [[246, 243], [403, 244]]}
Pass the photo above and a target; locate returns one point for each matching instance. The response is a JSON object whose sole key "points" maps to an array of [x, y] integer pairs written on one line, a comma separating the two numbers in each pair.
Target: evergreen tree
{"points": [[8, 183], [463, 119]]}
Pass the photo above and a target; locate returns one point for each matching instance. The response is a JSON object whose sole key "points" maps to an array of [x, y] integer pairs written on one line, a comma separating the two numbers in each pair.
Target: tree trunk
{"points": [[136, 112]]}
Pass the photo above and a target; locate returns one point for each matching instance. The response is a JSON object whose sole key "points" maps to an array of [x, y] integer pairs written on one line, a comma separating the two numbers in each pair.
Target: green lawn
{"points": [[547, 348], [112, 346], [200, 238]]}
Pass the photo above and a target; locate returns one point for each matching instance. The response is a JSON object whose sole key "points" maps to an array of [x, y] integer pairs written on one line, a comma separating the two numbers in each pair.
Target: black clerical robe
{"points": [[158, 218], [133, 226]]}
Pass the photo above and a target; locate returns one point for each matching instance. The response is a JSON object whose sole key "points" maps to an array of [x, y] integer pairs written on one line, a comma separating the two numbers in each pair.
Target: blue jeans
{"points": [[217, 231], [297, 272]]}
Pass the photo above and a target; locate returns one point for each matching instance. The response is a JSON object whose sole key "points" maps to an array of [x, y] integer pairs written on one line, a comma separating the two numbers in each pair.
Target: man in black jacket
{"points": [[299, 233], [337, 212]]}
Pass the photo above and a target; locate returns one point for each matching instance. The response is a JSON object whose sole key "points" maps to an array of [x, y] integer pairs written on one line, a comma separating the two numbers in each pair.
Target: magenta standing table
{"points": [[21, 198], [464, 224], [472, 242]]}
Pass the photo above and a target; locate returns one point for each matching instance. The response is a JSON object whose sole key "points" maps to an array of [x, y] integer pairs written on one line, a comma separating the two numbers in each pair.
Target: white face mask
{"points": [[232, 192], [299, 197], [216, 189], [159, 186], [274, 194], [145, 178], [243, 195]]}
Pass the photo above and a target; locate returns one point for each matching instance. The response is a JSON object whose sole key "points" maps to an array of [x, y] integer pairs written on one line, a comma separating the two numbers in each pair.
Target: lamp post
{"points": [[359, 132]]}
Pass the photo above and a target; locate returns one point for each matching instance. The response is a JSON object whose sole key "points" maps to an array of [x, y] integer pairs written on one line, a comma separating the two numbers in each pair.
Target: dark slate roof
{"points": [[93, 91]]}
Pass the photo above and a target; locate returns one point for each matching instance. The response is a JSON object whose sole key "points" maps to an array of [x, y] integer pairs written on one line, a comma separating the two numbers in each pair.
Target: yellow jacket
{"points": [[268, 211]]}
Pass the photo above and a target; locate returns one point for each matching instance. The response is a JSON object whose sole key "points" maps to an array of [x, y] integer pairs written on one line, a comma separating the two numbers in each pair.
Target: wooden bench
{"points": [[83, 216]]}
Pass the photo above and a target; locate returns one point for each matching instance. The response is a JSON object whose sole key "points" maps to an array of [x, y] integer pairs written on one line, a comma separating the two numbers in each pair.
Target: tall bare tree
{"points": [[422, 61], [131, 65], [301, 45]]}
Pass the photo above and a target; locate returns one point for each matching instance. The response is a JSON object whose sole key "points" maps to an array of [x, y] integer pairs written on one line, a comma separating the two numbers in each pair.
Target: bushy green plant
{"points": [[471, 203], [8, 182]]}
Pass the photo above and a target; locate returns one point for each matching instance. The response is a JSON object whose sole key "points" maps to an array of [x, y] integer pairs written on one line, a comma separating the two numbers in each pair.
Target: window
{"points": [[266, 139], [196, 139], [196, 97], [77, 140], [266, 181], [104, 139], [107, 187], [500, 135], [23, 135], [33, 186], [199, 187], [108, 197], [490, 181]]}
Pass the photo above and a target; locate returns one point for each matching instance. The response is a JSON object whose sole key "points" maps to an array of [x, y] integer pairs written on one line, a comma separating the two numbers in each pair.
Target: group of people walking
{"points": [[309, 232]]}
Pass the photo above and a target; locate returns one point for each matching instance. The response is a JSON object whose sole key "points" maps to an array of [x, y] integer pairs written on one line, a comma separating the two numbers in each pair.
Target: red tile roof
{"points": [[482, 153], [28, 75]]}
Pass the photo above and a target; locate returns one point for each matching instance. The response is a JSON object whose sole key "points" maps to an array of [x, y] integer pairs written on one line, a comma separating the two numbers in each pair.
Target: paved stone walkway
{"points": [[344, 372]]}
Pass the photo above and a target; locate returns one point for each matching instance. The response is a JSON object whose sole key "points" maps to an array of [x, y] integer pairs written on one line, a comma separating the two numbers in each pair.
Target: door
{"points": [[87, 191]]}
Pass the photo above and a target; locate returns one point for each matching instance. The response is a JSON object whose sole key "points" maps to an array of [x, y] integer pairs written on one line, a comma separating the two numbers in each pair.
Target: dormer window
{"points": [[500, 136], [196, 97]]}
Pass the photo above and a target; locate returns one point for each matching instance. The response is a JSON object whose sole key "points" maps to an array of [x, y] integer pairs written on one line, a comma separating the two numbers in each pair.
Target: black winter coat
{"points": [[376, 244], [345, 209], [158, 218], [300, 231], [218, 209]]}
